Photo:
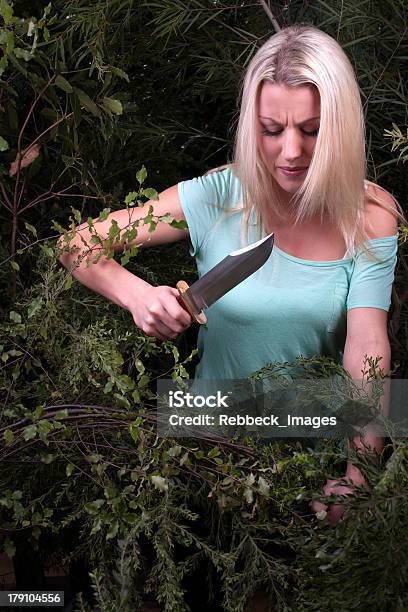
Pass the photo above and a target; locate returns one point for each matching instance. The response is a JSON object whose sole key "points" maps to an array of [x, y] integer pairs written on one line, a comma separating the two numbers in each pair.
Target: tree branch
{"points": [[271, 16]]}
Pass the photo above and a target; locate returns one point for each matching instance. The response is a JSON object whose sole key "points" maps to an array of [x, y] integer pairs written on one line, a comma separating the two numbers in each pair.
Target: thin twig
{"points": [[384, 68], [61, 194], [7, 202], [340, 20], [48, 129], [270, 15], [20, 136]]}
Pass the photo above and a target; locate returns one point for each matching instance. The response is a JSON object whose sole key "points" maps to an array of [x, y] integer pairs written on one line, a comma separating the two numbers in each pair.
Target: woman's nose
{"points": [[291, 146]]}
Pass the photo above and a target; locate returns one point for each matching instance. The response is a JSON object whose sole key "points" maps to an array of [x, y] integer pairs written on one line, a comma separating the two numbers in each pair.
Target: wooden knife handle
{"points": [[187, 303]]}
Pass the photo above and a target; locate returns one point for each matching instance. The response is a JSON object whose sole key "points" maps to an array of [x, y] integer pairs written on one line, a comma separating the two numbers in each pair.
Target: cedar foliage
{"points": [[90, 91]]}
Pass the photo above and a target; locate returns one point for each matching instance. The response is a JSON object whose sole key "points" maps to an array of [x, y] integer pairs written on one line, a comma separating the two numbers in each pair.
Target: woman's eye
{"points": [[268, 133], [312, 133], [277, 132]]}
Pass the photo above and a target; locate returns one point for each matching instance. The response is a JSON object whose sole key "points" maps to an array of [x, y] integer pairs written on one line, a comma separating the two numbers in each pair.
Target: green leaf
{"points": [[150, 193], [160, 483], [15, 317], [47, 459], [15, 266], [103, 215], [44, 427], [30, 432], [63, 84], [77, 215], [6, 12], [87, 103], [112, 105], [69, 469], [179, 224], [61, 414], [31, 229], [22, 54], [68, 282], [113, 530], [57, 227], [263, 486], [94, 507], [4, 145], [8, 436], [120, 73], [47, 250], [167, 218], [141, 175], [131, 197], [214, 452], [124, 260], [176, 353], [34, 306], [143, 381], [114, 229], [108, 386], [134, 432], [248, 491], [139, 366]]}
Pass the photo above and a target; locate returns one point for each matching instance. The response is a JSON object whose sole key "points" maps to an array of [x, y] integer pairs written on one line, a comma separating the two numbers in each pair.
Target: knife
{"points": [[226, 275]]}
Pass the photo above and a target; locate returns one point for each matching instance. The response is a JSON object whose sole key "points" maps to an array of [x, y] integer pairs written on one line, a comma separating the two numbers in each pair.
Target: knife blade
{"points": [[223, 277]]}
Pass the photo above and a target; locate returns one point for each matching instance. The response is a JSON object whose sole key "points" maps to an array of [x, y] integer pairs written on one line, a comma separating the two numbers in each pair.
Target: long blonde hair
{"points": [[335, 182]]}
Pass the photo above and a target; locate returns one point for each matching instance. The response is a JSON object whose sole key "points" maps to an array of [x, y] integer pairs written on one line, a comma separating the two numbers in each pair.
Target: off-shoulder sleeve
{"points": [[372, 278], [203, 200]]}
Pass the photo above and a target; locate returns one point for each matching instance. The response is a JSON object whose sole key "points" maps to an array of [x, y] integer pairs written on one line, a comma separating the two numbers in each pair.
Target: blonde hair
{"points": [[335, 182]]}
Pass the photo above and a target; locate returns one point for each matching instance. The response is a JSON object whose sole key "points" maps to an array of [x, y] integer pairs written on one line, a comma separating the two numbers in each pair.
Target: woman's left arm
{"points": [[367, 336]]}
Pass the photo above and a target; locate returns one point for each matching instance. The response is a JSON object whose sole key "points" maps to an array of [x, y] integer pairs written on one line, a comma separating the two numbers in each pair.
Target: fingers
{"points": [[176, 311], [163, 316], [167, 314], [334, 512], [317, 506]]}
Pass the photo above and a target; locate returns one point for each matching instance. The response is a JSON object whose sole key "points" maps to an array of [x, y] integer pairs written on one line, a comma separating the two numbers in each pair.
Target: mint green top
{"points": [[290, 307]]}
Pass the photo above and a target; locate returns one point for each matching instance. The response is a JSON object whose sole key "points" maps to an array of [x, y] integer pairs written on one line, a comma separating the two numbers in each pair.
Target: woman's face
{"points": [[288, 123]]}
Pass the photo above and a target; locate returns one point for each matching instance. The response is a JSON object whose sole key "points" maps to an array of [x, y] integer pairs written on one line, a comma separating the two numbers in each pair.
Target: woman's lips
{"points": [[292, 171]]}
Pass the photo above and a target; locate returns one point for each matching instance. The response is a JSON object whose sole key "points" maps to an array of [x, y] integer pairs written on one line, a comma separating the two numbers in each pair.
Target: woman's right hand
{"points": [[158, 312]]}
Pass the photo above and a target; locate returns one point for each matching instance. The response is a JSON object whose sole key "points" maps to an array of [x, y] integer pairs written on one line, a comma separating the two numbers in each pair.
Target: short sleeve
{"points": [[372, 276], [203, 200]]}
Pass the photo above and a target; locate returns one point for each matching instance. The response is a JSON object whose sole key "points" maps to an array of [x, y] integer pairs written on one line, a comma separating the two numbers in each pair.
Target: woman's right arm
{"points": [[155, 310]]}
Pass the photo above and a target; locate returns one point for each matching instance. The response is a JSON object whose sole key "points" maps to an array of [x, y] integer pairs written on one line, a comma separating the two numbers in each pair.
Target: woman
{"points": [[299, 171]]}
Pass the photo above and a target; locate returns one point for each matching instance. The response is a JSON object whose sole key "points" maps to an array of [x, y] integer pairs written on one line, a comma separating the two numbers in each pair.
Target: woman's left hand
{"points": [[337, 487]]}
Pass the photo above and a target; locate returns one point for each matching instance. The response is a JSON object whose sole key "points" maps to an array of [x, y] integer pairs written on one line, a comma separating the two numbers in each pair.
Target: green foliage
{"points": [[399, 141], [238, 510]]}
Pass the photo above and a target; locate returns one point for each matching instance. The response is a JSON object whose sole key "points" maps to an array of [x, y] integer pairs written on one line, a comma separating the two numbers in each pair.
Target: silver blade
{"points": [[231, 271]]}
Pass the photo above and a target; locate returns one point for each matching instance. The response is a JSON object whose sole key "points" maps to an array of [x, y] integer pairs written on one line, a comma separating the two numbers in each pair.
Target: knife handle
{"points": [[188, 305]]}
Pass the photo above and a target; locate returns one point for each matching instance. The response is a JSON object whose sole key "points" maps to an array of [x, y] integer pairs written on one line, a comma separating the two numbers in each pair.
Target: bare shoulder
{"points": [[381, 212]]}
